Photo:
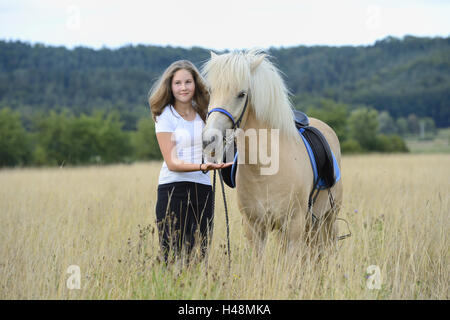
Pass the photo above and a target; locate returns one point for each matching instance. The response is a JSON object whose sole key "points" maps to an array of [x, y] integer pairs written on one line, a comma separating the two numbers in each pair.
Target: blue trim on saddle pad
{"points": [[337, 171], [233, 170]]}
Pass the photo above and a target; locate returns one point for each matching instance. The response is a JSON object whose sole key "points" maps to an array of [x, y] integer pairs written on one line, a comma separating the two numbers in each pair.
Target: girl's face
{"points": [[183, 86]]}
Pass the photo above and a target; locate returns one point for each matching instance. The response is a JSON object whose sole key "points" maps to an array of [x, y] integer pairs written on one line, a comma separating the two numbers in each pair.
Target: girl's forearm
{"points": [[181, 166]]}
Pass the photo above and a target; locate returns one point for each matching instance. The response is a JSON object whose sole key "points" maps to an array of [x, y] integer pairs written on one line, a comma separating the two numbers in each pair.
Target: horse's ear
{"points": [[213, 55], [255, 64]]}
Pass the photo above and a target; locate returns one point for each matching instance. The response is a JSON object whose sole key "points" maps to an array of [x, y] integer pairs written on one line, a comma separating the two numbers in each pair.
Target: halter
{"points": [[229, 115]]}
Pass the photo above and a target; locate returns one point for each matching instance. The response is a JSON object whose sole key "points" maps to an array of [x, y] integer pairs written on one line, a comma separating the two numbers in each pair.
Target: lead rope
{"points": [[226, 220], [226, 213]]}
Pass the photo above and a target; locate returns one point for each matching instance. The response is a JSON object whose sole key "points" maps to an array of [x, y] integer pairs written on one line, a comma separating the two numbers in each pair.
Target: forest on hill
{"points": [[401, 76], [77, 106]]}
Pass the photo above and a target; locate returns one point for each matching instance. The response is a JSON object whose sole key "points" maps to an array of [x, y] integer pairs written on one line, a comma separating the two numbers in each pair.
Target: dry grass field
{"points": [[102, 220]]}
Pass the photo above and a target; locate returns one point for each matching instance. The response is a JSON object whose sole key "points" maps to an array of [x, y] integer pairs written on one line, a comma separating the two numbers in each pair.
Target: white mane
{"points": [[269, 97]]}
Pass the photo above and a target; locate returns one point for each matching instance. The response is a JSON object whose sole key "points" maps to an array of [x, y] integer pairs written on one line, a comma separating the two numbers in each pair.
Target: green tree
{"points": [[402, 126], [429, 127], [413, 124], [114, 144], [66, 139], [398, 144], [363, 127], [391, 143], [145, 143], [351, 146], [53, 145], [83, 136], [14, 141], [387, 124], [332, 113]]}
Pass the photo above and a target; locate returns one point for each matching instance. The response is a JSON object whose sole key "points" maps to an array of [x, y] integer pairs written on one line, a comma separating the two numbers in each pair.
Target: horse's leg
{"points": [[294, 234], [256, 233]]}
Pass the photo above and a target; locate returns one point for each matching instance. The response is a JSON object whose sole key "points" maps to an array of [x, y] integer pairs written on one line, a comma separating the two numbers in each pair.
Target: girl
{"points": [[184, 212]]}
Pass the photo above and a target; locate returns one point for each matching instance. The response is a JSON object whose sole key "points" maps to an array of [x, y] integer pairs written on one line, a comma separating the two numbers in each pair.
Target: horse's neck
{"points": [[287, 170], [252, 123]]}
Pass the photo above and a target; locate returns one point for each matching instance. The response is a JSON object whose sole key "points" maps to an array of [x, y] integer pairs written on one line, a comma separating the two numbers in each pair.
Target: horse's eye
{"points": [[241, 94]]}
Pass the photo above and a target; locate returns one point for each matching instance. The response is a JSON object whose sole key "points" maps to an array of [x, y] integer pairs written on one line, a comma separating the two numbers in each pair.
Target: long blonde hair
{"points": [[160, 95]]}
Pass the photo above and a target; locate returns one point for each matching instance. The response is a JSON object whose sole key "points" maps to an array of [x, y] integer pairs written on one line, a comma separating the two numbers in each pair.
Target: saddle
{"points": [[324, 164], [325, 167]]}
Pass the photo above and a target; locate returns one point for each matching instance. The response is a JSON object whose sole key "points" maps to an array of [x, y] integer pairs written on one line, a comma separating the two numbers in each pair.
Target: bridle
{"points": [[230, 116]]}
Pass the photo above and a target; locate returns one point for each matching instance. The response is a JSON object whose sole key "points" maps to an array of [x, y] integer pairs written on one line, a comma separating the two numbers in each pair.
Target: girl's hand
{"points": [[214, 166]]}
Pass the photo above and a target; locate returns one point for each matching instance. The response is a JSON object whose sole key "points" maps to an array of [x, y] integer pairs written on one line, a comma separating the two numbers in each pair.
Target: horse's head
{"points": [[230, 80]]}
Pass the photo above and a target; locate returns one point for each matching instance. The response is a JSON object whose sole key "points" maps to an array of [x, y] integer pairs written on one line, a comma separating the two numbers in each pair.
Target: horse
{"points": [[252, 100]]}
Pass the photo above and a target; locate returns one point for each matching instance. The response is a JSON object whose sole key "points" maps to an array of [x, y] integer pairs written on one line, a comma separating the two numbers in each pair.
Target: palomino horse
{"points": [[252, 100]]}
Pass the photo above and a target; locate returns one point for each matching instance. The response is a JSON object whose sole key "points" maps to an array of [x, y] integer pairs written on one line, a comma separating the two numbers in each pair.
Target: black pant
{"points": [[184, 214]]}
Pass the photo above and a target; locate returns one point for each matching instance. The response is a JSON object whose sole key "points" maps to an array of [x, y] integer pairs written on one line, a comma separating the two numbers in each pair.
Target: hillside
{"points": [[402, 76]]}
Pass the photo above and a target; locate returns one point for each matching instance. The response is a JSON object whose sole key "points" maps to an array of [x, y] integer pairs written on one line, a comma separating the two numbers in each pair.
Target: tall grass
{"points": [[102, 220]]}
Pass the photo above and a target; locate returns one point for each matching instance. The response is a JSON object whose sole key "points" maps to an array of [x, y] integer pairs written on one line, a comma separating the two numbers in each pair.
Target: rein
{"points": [[236, 124], [226, 213]]}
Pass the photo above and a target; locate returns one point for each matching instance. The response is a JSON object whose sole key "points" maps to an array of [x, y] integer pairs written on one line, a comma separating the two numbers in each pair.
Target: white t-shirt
{"points": [[188, 138]]}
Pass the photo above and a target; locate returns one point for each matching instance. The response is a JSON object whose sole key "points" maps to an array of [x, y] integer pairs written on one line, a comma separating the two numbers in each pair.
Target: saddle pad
{"points": [[323, 161]]}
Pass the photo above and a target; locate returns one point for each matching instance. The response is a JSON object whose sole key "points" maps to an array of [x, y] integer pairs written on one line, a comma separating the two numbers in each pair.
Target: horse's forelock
{"points": [[228, 72]]}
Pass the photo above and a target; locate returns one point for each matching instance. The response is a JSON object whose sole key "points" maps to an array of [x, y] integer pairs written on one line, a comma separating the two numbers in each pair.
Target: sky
{"points": [[219, 25]]}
